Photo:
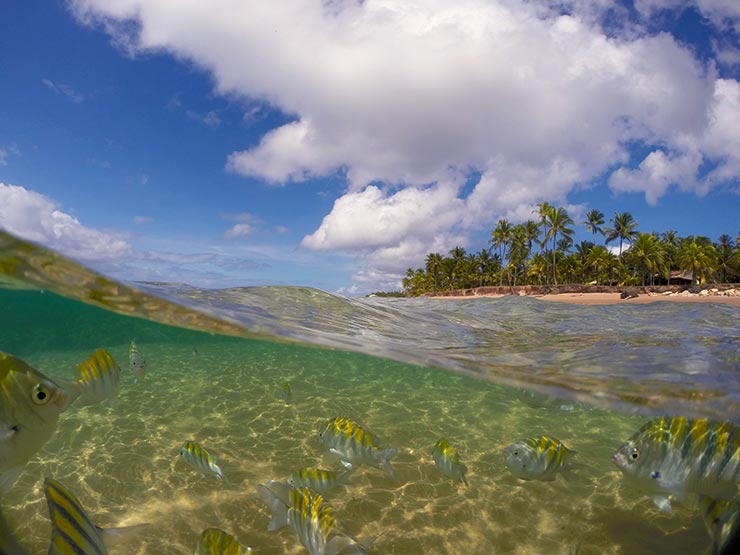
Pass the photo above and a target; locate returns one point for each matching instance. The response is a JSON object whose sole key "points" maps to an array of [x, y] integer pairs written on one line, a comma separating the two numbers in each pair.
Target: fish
{"points": [[30, 406], [287, 393], [318, 480], [355, 446], [72, 530], [448, 461], [99, 378], [536, 458], [199, 458], [213, 541], [310, 516], [195, 351], [722, 519], [671, 457], [137, 362]]}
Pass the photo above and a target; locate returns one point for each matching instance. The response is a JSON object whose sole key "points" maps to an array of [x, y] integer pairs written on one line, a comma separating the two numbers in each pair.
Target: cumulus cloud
{"points": [[37, 218], [406, 98]]}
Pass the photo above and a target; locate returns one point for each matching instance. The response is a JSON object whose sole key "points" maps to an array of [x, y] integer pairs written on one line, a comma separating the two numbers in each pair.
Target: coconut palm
{"points": [[724, 248], [433, 264], [531, 232], [555, 221], [594, 221], [500, 238], [625, 228], [601, 260], [646, 253], [696, 256]]}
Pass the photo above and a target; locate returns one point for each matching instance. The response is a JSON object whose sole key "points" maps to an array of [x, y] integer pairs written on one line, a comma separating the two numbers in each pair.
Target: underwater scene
{"points": [[420, 411]]}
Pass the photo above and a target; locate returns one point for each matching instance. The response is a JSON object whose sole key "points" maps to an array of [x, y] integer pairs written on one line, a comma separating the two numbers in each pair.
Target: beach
{"points": [[601, 298]]}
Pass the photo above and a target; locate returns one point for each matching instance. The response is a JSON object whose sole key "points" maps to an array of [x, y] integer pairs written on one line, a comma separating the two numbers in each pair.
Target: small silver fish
{"points": [[200, 459], [354, 446], [287, 393], [447, 461], [195, 351], [317, 479], [30, 405], [137, 362], [310, 516], [722, 519], [217, 542], [99, 378], [535, 458], [72, 531], [675, 456]]}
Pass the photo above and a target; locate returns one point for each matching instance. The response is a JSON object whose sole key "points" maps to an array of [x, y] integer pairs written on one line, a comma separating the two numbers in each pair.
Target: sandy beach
{"points": [[613, 298]]}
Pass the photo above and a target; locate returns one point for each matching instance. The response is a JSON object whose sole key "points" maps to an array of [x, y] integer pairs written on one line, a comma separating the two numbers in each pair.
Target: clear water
{"points": [[121, 458]]}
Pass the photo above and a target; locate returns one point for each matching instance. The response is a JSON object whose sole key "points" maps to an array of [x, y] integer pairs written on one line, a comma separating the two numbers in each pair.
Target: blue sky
{"points": [[333, 144]]}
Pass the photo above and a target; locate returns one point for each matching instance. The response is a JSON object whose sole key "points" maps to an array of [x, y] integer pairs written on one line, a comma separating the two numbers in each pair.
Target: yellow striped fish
{"points": [[72, 531], [354, 446], [99, 378], [287, 393], [217, 542], [310, 516], [137, 362], [722, 519], [317, 479], [676, 456], [448, 461], [536, 458], [30, 405], [199, 458]]}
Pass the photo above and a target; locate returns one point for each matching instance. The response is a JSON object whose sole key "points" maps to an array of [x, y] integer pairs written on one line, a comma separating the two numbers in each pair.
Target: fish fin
{"points": [[347, 465], [8, 477], [663, 502], [277, 504], [463, 479], [115, 536], [344, 477], [344, 545], [384, 457]]}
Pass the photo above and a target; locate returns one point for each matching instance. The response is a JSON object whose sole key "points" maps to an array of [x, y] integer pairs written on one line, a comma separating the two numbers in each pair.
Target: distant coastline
{"points": [[728, 293]]}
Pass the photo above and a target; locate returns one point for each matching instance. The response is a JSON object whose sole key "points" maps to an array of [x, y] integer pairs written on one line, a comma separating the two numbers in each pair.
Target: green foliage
{"points": [[648, 257]]}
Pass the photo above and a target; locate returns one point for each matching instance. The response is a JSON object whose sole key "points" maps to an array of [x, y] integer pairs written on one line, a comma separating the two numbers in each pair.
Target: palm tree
{"points": [[555, 220], [670, 242], [724, 248], [646, 253], [698, 258], [483, 264], [600, 259], [594, 221], [531, 232], [433, 264], [458, 259], [500, 239], [625, 228]]}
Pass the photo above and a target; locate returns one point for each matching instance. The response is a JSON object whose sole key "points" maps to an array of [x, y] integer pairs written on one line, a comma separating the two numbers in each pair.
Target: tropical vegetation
{"points": [[541, 251]]}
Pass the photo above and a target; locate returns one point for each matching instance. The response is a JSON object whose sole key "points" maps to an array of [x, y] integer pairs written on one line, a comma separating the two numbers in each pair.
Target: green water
{"points": [[121, 458]]}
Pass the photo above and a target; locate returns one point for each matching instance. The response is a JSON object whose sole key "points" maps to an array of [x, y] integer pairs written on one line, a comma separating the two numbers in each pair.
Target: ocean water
{"points": [[411, 371]]}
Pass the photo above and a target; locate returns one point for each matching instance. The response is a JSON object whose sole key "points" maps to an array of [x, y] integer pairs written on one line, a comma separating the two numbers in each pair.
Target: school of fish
{"points": [[670, 459]]}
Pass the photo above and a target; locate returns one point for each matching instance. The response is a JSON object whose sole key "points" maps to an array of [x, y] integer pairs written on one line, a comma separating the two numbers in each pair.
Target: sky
{"points": [[334, 143]]}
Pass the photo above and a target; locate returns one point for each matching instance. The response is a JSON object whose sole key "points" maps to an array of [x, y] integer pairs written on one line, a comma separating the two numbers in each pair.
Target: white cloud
{"points": [[239, 230], [142, 220], [416, 94], [209, 119], [65, 90], [37, 218], [722, 13]]}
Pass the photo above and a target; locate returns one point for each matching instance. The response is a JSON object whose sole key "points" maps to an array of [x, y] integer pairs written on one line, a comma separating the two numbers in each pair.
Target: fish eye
{"points": [[635, 454], [40, 394], [516, 453]]}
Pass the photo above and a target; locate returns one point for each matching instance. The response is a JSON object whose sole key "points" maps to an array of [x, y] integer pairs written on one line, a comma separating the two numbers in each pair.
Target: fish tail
{"points": [[384, 456], [278, 507]]}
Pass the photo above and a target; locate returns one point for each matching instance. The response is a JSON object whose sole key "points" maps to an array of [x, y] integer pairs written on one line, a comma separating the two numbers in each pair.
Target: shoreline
{"points": [[604, 297]]}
